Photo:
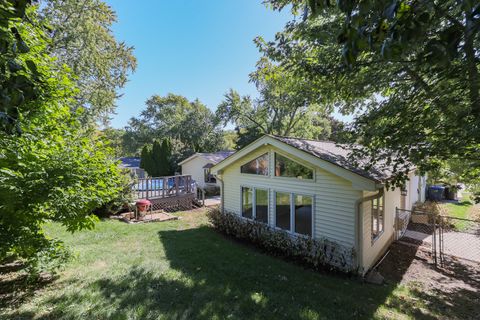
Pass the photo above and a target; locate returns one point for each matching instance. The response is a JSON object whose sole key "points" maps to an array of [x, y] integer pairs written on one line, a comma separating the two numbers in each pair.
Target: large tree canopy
{"points": [[412, 67], [82, 39], [287, 106], [50, 168], [190, 125]]}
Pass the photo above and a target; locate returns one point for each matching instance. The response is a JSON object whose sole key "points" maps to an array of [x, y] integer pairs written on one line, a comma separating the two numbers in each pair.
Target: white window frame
{"points": [[292, 213], [376, 237], [290, 178], [254, 203]]}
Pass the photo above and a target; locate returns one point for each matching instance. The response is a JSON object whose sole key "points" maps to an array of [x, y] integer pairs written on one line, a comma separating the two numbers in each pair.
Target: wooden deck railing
{"points": [[164, 187]]}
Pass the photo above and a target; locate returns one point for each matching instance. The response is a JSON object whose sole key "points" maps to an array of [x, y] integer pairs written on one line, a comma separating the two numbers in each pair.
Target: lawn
{"points": [[462, 209], [185, 270]]}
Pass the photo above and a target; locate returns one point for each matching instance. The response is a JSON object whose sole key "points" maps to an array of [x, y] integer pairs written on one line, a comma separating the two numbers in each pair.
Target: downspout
{"points": [[359, 223], [222, 206]]}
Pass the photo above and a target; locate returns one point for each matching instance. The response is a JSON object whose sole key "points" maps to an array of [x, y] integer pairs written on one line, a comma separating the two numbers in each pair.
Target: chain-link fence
{"points": [[443, 236], [459, 238]]}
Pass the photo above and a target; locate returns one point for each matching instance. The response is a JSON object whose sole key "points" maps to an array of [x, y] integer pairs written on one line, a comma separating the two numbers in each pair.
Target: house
{"points": [[199, 166], [132, 164], [310, 188]]}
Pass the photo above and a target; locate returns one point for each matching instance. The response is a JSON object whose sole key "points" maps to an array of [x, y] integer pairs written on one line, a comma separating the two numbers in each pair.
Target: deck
{"points": [[170, 193]]}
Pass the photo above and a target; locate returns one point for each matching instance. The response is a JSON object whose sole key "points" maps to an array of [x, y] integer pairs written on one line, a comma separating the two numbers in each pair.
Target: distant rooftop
{"points": [[130, 162], [212, 157]]}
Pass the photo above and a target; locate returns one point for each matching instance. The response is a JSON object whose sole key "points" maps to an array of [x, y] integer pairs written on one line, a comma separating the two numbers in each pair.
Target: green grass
{"points": [[462, 209], [185, 270]]}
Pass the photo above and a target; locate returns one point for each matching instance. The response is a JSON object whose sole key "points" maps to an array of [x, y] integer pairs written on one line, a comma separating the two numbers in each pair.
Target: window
{"points": [[303, 215], [282, 210], [261, 205], [247, 202], [285, 167], [209, 177], [257, 166], [255, 204], [378, 218], [293, 212]]}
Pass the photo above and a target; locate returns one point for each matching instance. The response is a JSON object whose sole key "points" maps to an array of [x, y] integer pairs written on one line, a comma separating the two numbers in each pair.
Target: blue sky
{"points": [[196, 48]]}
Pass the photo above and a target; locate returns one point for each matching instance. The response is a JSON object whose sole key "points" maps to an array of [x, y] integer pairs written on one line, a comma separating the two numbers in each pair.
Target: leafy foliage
{"points": [[321, 254], [54, 170], [412, 66], [82, 39], [20, 80], [191, 126], [287, 106]]}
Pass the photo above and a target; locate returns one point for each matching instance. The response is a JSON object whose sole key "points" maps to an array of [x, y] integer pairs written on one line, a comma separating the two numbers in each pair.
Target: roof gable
{"points": [[325, 155]]}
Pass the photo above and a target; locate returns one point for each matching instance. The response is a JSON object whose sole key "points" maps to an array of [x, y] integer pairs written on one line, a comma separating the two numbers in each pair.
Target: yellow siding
{"points": [[334, 197], [373, 251]]}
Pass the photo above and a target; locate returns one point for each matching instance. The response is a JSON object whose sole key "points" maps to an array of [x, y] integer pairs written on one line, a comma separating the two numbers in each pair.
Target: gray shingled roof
{"points": [[337, 154], [130, 162], [216, 157]]}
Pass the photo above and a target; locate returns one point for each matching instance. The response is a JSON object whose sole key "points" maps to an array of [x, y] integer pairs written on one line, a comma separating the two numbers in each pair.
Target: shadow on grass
{"points": [[16, 286], [213, 277]]}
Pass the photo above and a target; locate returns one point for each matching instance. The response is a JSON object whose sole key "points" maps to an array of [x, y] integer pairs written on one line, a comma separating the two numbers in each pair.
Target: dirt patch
{"points": [[452, 289], [408, 263]]}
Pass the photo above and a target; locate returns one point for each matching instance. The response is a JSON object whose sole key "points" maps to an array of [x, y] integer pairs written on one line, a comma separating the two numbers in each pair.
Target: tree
{"points": [[166, 158], [287, 106], [157, 158], [189, 124], [82, 39], [146, 158], [20, 81], [412, 66], [52, 168], [114, 137]]}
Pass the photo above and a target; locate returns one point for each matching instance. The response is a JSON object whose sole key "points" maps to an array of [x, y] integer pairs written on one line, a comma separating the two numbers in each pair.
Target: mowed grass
{"points": [[462, 209], [185, 270]]}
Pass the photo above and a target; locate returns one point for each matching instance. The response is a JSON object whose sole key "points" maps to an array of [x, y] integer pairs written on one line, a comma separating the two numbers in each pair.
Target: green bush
{"points": [[122, 199], [317, 253]]}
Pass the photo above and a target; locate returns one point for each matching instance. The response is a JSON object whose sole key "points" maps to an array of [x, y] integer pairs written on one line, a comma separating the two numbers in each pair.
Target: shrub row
{"points": [[317, 253]]}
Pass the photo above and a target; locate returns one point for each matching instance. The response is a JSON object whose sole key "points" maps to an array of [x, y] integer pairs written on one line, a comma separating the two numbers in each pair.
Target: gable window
{"points": [[285, 167], [293, 212], [378, 218], [255, 204], [256, 166]]}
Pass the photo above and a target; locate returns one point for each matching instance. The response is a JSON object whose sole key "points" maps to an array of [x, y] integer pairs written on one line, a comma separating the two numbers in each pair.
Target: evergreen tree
{"points": [[166, 156], [157, 159]]}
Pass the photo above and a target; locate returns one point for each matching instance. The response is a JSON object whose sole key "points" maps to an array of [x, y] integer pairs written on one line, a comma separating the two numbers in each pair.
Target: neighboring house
{"points": [[199, 165], [310, 188], [132, 164]]}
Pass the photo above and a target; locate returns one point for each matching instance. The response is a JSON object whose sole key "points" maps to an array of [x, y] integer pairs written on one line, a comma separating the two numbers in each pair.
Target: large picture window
{"points": [[261, 205], [256, 166], [247, 202], [293, 212], [303, 214], [285, 167], [378, 218], [282, 210], [255, 204]]}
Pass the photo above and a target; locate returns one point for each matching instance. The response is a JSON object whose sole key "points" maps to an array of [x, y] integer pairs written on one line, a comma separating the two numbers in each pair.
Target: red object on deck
{"points": [[143, 205]]}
